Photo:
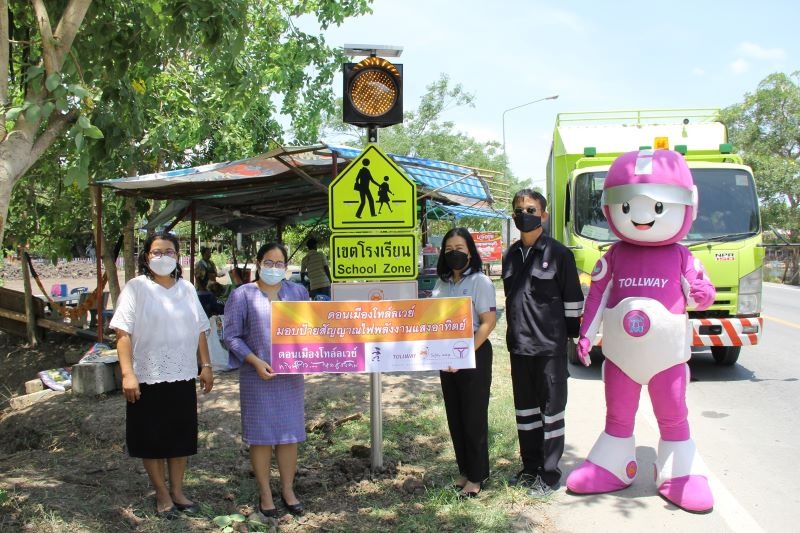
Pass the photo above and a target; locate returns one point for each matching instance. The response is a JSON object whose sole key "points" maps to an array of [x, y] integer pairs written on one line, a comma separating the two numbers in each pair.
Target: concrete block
{"points": [[20, 402], [95, 378], [34, 385]]}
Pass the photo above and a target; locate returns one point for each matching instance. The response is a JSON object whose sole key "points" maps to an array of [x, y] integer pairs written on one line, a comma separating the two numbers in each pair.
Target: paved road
{"points": [[745, 420]]}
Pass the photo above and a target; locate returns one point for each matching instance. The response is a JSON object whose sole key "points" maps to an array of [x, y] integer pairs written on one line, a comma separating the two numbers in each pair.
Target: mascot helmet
{"points": [[649, 197]]}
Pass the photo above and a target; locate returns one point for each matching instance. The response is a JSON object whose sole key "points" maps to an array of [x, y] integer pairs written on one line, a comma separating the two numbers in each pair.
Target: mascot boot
{"points": [[611, 466], [681, 476]]}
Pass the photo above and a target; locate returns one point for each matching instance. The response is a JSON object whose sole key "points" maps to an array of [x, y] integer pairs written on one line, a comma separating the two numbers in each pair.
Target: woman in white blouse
{"points": [[161, 342]]}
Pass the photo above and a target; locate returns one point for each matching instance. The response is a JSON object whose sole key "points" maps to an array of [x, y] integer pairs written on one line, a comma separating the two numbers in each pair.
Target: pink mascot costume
{"points": [[640, 290]]}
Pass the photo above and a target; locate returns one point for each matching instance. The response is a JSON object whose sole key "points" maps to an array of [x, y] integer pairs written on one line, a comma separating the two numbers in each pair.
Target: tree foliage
{"points": [[129, 87], [765, 128]]}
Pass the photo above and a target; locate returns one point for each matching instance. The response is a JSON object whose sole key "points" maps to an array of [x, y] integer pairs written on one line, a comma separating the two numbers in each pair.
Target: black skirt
{"points": [[163, 421]]}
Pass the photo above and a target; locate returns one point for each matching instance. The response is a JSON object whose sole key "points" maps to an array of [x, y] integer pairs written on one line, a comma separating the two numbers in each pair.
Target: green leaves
{"points": [[157, 84], [765, 128], [228, 522], [93, 132], [52, 81]]}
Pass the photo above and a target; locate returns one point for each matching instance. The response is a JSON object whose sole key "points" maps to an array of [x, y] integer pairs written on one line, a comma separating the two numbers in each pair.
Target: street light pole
{"points": [[505, 159], [507, 236]]}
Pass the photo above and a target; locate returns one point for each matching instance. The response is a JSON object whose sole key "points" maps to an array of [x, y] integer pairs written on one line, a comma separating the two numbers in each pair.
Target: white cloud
{"points": [[756, 51], [739, 66], [697, 71]]}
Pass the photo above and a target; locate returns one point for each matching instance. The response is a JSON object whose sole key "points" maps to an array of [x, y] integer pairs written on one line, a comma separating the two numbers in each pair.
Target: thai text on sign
{"points": [[372, 336], [489, 245], [381, 256]]}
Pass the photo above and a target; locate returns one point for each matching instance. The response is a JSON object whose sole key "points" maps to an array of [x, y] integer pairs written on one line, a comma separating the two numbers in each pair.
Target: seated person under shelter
{"points": [[315, 266], [205, 275], [205, 270]]}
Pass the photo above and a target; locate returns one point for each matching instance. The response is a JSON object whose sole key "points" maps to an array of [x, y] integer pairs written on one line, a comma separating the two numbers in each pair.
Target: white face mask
{"points": [[272, 276], [162, 266]]}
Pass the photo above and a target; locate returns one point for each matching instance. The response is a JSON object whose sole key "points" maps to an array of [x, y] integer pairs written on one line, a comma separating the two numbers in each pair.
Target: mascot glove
{"points": [[702, 293], [584, 347]]}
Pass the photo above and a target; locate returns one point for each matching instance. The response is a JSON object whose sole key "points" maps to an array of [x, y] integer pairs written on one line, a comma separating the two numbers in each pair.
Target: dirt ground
{"points": [[63, 465], [66, 454]]}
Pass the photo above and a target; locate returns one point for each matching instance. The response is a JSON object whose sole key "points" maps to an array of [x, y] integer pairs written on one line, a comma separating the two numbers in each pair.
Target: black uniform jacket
{"points": [[537, 289]]}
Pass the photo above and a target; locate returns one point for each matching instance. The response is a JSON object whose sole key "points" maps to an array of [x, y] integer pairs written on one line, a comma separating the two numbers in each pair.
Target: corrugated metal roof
{"points": [[288, 186], [434, 175], [435, 210]]}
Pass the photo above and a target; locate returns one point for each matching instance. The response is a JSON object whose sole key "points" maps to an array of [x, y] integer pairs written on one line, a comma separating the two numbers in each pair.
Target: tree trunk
{"points": [[792, 276], [15, 151], [23, 146], [108, 256], [129, 241]]}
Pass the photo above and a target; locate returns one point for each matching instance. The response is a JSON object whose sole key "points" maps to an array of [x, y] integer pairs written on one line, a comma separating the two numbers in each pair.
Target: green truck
{"points": [[725, 237]]}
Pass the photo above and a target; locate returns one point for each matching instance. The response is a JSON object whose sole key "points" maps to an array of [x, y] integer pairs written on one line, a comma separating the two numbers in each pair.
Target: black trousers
{"points": [[540, 398], [466, 402]]}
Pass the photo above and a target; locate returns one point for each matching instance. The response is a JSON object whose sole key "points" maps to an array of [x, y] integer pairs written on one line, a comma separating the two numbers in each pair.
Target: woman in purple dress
{"points": [[272, 405]]}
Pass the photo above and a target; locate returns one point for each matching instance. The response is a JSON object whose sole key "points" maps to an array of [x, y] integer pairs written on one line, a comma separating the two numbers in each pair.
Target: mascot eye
{"points": [[626, 208], [659, 208]]}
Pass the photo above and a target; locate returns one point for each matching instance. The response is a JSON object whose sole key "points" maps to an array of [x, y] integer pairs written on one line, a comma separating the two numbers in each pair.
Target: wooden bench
{"points": [[13, 319], [12, 312]]}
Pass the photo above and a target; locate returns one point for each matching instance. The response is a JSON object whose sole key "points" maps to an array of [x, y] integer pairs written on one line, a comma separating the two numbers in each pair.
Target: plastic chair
{"points": [[79, 290], [93, 312]]}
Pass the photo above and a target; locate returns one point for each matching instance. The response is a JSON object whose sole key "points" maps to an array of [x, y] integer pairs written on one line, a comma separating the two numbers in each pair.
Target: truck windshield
{"points": [[728, 205]]}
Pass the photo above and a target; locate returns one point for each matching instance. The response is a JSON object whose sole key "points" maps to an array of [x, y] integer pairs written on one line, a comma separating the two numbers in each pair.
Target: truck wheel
{"points": [[725, 355], [572, 353]]}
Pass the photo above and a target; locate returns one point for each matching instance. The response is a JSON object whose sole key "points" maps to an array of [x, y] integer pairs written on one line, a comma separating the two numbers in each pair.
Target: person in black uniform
{"points": [[543, 308]]}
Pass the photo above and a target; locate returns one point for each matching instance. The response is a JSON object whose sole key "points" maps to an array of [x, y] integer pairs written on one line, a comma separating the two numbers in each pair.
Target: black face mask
{"points": [[456, 260], [525, 222]]}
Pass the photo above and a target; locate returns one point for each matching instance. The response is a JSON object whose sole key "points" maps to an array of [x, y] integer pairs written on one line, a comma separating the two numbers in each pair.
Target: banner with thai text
{"points": [[489, 245], [372, 336]]}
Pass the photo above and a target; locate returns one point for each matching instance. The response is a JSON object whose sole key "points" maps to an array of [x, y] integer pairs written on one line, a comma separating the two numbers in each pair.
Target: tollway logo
{"points": [[459, 350]]}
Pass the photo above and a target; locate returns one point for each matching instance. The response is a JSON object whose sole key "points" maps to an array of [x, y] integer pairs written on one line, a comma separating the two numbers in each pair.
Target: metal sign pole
{"points": [[375, 389], [376, 420], [393, 114]]}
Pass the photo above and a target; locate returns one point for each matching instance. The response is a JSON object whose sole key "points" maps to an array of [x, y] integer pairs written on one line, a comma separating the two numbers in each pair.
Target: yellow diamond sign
{"points": [[372, 193]]}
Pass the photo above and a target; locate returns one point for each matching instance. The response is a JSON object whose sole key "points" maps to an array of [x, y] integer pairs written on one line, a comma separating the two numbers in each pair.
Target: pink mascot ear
{"points": [[695, 202]]}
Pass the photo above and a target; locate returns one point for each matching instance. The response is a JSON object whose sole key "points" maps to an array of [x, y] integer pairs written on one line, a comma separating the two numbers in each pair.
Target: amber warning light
{"points": [[373, 93]]}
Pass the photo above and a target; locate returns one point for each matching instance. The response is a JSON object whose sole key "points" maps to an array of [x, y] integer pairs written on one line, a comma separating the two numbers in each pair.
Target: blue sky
{"points": [[597, 56]]}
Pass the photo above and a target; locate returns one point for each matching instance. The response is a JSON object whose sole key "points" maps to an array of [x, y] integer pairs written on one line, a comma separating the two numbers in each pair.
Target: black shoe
{"points": [[269, 513], [296, 509], [522, 479]]}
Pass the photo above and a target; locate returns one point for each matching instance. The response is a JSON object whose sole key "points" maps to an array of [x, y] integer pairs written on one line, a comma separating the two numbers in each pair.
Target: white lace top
{"points": [[164, 325]]}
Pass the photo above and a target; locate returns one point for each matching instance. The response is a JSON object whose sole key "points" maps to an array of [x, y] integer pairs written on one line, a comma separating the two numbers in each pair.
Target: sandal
{"points": [[190, 508], [464, 494], [458, 485], [169, 514]]}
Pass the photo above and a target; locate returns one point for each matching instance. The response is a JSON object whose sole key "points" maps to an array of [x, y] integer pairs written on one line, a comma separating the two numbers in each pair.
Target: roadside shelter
{"points": [[290, 186]]}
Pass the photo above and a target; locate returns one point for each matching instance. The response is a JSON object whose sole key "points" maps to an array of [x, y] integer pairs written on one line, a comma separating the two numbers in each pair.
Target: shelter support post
{"points": [[423, 205], [98, 246], [30, 314], [191, 241]]}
